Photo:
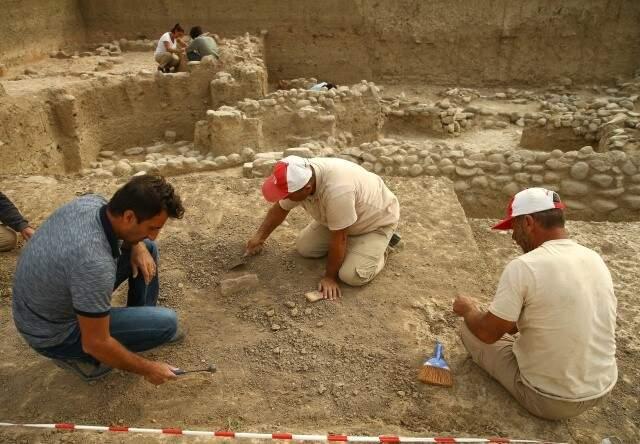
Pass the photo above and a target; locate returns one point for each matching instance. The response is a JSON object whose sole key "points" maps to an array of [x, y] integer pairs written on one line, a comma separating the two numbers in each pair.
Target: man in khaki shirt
{"points": [[355, 216], [559, 298]]}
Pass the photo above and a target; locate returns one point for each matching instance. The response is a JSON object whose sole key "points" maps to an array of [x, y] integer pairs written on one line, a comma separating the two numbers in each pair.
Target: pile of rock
{"points": [[443, 117], [593, 118]]}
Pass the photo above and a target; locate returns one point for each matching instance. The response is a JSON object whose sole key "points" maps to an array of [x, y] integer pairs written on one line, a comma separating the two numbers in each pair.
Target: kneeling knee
{"points": [[350, 276], [305, 250], [167, 320]]}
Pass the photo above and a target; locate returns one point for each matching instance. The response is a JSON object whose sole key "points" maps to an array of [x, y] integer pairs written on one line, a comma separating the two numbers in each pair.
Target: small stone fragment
{"points": [[314, 296], [242, 283]]}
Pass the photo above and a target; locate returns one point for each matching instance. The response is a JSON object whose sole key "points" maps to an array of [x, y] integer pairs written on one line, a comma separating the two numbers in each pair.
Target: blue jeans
{"points": [[193, 56], [139, 326]]}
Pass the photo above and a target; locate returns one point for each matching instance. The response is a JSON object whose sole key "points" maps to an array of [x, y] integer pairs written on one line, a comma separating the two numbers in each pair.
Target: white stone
{"points": [[603, 206], [573, 188], [629, 168], [234, 159], [300, 152], [604, 180], [580, 170], [122, 168], [247, 154], [416, 170], [480, 182], [222, 161], [632, 202], [134, 151]]}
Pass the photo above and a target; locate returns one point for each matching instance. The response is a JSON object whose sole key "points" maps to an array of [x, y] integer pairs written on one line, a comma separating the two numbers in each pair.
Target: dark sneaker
{"points": [[177, 337], [88, 371], [395, 239]]}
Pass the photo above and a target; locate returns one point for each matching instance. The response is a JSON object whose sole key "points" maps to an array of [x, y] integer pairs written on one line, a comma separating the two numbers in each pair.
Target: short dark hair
{"points": [[147, 196], [195, 32], [553, 218], [177, 28], [330, 85]]}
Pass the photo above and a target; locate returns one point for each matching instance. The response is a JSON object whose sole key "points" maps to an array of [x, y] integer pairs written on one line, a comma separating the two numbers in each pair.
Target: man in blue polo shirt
{"points": [[68, 271]]}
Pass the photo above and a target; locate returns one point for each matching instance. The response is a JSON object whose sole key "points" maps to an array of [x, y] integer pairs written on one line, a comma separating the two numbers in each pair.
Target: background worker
{"points": [[170, 48], [12, 222], [202, 44], [559, 298], [355, 216]]}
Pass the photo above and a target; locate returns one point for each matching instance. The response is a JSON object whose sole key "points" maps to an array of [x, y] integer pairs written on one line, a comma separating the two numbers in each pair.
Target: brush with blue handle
{"points": [[435, 370]]}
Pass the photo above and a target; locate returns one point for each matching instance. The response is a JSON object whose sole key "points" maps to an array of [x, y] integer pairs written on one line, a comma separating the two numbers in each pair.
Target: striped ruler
{"points": [[383, 439]]}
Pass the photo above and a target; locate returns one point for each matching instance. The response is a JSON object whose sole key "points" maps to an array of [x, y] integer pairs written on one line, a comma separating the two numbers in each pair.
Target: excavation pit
{"points": [[451, 138]]}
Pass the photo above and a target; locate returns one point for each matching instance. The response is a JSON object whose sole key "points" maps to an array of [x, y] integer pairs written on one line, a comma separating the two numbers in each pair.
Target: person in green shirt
{"points": [[202, 44]]}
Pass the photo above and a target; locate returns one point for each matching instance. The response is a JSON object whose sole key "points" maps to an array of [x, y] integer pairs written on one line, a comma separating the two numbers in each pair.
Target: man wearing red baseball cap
{"points": [[558, 298], [355, 216]]}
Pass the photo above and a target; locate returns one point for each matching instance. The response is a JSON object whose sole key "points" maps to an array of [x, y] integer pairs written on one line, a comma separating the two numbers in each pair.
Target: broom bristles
{"points": [[435, 375]]}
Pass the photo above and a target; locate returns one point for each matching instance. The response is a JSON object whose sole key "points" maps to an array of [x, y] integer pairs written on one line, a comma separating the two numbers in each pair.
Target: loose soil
{"points": [[344, 367]]}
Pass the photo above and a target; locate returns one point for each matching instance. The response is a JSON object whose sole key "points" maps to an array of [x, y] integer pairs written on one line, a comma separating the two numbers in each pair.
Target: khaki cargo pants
{"points": [[499, 361], [168, 59], [365, 256], [8, 238]]}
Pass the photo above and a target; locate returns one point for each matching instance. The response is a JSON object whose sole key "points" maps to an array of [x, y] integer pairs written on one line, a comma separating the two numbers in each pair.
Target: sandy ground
{"points": [[345, 367]]}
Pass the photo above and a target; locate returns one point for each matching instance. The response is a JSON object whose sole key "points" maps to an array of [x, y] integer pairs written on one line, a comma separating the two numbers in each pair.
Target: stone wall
{"points": [[287, 118], [598, 186]]}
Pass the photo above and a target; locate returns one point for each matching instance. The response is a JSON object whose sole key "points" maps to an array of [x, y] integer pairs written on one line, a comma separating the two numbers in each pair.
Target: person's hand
{"points": [[254, 246], [159, 373], [462, 305], [27, 233], [142, 261], [329, 288]]}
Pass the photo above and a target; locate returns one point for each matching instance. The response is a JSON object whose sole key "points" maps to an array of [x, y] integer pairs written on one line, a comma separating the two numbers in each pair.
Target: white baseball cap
{"points": [[531, 200], [289, 175]]}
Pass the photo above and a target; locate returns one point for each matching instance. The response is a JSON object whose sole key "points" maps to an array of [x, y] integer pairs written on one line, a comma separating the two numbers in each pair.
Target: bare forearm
{"points": [[275, 216], [335, 258], [473, 318], [114, 354]]}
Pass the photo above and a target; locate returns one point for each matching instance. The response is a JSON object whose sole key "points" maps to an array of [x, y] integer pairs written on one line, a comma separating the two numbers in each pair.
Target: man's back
{"points": [[561, 296], [347, 195], [44, 300], [204, 45]]}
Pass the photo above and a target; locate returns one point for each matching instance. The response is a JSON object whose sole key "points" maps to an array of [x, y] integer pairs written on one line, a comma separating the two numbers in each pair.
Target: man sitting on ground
{"points": [[559, 297], [11, 221], [67, 273], [355, 217], [201, 45]]}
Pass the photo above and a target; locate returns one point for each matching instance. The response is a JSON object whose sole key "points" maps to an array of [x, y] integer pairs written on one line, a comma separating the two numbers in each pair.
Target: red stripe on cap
{"points": [[395, 439], [225, 434], [445, 439], [118, 429], [280, 175], [172, 431], [66, 426], [340, 438], [281, 436]]}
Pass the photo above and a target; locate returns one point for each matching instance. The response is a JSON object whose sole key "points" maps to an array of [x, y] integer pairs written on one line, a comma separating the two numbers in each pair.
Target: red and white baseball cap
{"points": [[289, 175], [531, 200]]}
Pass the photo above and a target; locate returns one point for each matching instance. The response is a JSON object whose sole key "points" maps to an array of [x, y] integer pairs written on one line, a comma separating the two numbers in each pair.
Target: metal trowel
{"points": [[237, 263]]}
